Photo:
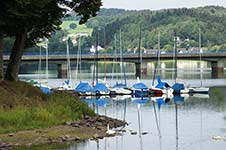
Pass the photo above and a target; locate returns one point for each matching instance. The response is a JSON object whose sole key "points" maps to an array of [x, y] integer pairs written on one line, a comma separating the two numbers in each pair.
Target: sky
{"points": [[159, 4]]}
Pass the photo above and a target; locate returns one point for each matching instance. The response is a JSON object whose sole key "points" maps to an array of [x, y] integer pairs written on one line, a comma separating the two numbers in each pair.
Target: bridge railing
{"points": [[63, 53]]}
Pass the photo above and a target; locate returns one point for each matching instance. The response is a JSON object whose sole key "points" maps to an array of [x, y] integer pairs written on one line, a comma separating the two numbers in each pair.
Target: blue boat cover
{"points": [[140, 100], [177, 87], [119, 85], [161, 85], [45, 90], [83, 87], [139, 85], [178, 99], [66, 82], [100, 87]]}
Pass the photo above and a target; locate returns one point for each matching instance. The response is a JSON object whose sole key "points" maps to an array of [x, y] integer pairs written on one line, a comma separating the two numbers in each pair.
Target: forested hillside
{"points": [[211, 21], [185, 22]]}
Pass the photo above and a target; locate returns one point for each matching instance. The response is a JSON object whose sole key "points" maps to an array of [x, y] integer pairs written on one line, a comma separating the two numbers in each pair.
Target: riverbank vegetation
{"points": [[24, 107]]}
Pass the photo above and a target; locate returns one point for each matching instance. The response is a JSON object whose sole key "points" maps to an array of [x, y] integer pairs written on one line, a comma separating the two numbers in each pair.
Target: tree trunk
{"points": [[1, 57], [15, 57]]}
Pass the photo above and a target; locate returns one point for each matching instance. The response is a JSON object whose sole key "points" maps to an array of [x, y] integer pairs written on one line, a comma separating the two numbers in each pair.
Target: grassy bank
{"points": [[23, 107]]}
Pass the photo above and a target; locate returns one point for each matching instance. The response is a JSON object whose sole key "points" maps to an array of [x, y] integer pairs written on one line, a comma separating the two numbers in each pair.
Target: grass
{"points": [[79, 29], [23, 107]]}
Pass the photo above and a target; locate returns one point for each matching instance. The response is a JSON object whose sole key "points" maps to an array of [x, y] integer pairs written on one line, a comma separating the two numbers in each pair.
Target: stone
{"points": [[11, 134], [75, 125], [66, 136], [68, 123], [28, 144], [95, 136]]}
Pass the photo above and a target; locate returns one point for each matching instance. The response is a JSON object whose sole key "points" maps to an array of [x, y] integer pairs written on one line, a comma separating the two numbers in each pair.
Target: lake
{"points": [[183, 123]]}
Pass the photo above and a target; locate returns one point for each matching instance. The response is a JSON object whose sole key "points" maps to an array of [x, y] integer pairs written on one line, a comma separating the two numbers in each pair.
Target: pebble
{"points": [[11, 134]]}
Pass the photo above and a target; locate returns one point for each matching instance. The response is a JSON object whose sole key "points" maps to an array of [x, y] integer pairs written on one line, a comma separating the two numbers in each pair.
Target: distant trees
{"points": [[30, 20], [72, 25], [185, 21]]}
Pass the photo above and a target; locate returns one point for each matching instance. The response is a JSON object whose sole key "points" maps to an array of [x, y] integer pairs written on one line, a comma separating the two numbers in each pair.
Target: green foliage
{"points": [[73, 25], [35, 111], [185, 22]]}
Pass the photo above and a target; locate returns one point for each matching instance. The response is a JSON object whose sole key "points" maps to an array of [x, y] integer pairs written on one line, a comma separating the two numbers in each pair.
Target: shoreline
{"points": [[87, 128]]}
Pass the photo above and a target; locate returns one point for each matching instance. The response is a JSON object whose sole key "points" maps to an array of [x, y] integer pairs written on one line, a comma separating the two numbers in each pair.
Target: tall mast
{"points": [[68, 60], [139, 54], [122, 62], [96, 63], [159, 52], [105, 68], [120, 47], [200, 56], [40, 63], [115, 59], [47, 63], [175, 54]]}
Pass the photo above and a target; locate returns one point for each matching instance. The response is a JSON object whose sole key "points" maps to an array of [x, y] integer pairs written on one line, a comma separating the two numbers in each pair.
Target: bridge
{"points": [[216, 60]]}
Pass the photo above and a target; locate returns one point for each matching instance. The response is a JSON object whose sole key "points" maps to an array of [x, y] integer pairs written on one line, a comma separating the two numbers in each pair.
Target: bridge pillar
{"points": [[141, 69], [62, 70], [217, 69]]}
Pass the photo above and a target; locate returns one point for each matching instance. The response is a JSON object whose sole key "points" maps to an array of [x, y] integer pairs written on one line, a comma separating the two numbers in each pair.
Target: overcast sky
{"points": [[159, 4]]}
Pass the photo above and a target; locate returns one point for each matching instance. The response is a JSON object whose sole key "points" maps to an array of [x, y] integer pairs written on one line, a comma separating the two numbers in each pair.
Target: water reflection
{"points": [[182, 122], [117, 107]]}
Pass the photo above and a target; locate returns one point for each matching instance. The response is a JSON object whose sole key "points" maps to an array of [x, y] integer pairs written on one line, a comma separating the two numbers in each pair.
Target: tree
{"points": [[73, 26], [31, 20], [1, 57]]}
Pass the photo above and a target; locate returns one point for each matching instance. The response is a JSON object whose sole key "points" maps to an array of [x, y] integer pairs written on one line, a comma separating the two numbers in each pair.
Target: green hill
{"points": [[185, 22]]}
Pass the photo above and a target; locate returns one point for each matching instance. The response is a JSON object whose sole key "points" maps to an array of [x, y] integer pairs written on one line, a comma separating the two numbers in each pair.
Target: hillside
{"points": [[211, 21], [185, 22]]}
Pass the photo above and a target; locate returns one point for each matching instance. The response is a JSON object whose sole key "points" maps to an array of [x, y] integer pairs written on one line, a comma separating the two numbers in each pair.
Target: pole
{"points": [[47, 67]]}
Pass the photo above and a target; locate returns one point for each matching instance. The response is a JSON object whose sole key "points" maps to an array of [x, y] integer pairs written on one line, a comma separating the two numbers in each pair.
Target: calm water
{"points": [[188, 124], [184, 124]]}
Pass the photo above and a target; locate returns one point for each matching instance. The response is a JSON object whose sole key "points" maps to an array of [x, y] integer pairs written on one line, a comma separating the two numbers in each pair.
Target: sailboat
{"points": [[42, 85], [178, 87], [120, 88], [161, 87], [140, 88], [67, 83], [201, 89], [99, 88], [82, 88]]}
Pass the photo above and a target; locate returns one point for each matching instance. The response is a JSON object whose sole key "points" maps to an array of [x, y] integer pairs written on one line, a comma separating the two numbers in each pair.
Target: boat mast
{"points": [[120, 47], [47, 63], [159, 53], [105, 68], [157, 62], [175, 55], [200, 57], [68, 60], [115, 60], [122, 62], [96, 62], [139, 54], [40, 63]]}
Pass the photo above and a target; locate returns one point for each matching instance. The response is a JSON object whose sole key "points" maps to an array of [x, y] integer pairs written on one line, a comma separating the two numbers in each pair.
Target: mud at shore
{"points": [[87, 128]]}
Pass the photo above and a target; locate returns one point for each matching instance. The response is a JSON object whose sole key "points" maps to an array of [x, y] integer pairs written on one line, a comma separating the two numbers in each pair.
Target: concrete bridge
{"points": [[216, 59]]}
